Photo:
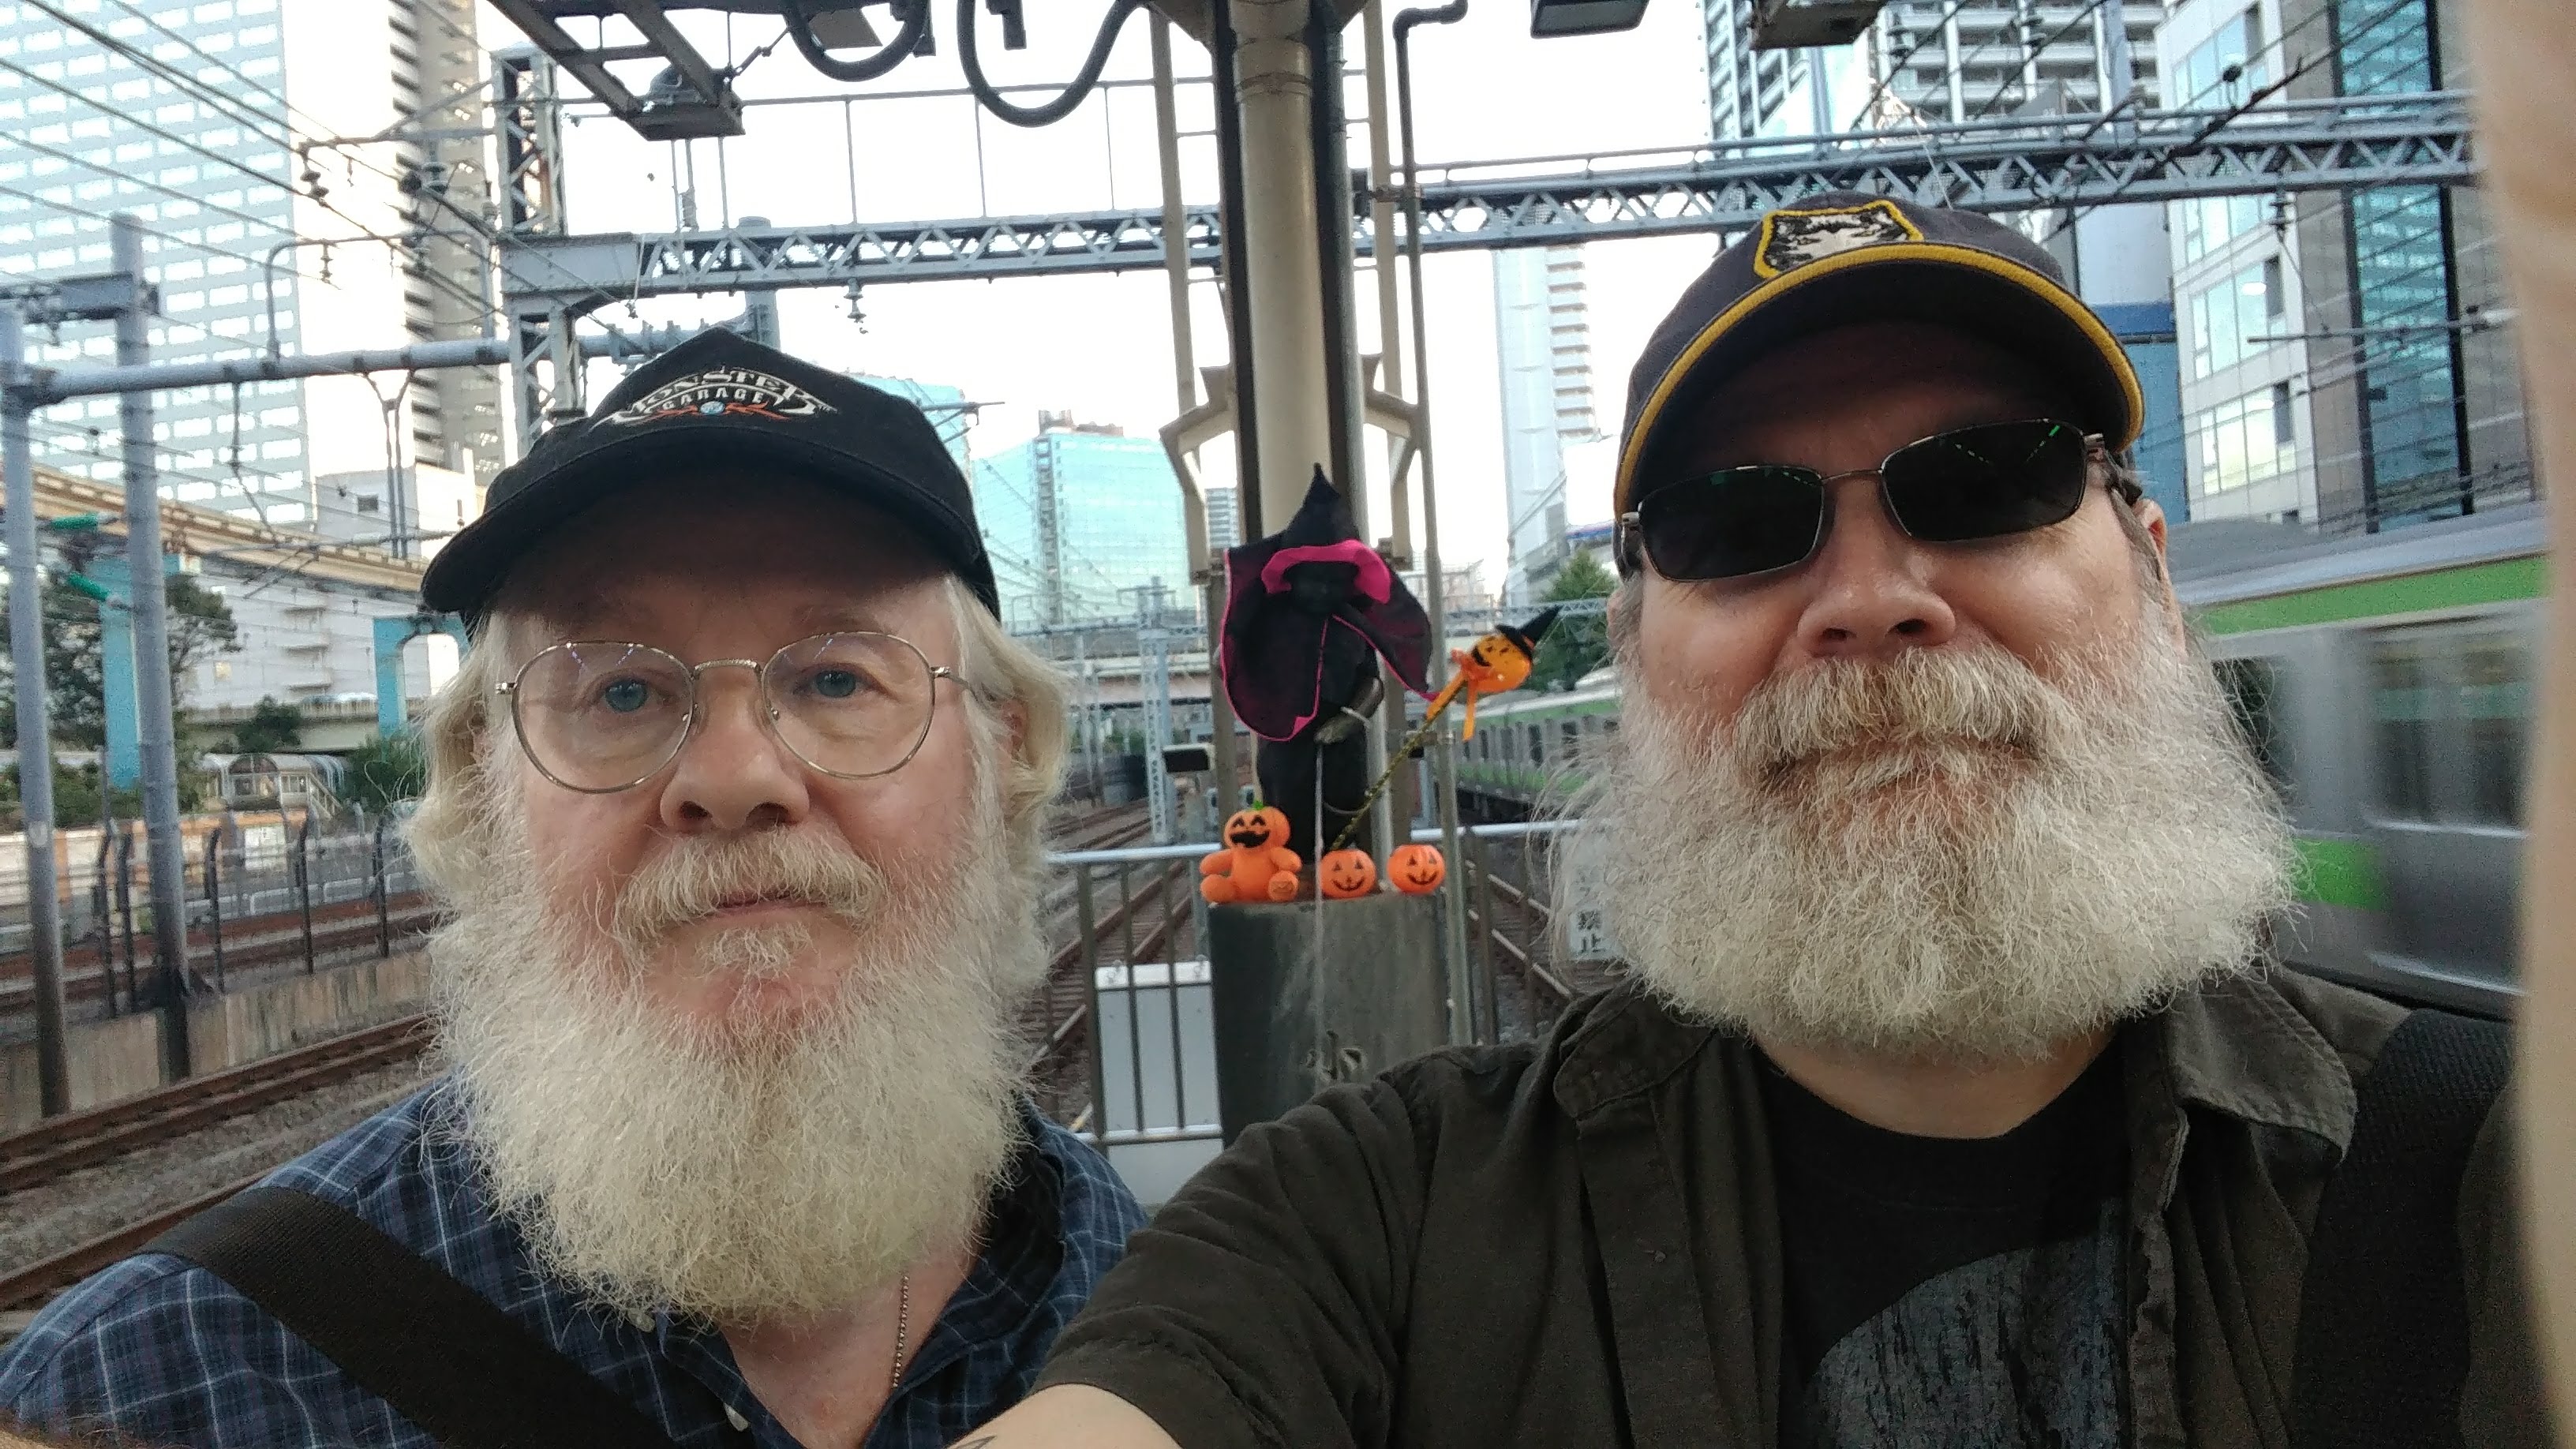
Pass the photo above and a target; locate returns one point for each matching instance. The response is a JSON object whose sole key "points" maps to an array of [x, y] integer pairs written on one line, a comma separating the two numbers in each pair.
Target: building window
{"points": [[2227, 313], [2224, 70], [2246, 440]]}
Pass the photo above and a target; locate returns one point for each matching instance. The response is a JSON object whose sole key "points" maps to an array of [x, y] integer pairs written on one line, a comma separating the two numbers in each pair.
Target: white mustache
{"points": [[693, 878]]}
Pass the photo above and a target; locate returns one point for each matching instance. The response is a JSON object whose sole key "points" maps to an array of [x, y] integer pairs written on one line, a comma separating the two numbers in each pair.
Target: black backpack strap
{"points": [[402, 1328], [2383, 1345]]}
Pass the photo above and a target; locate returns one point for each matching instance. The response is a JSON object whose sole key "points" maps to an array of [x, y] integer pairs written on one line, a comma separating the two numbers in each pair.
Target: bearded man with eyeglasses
{"points": [[1952, 1098], [735, 806]]}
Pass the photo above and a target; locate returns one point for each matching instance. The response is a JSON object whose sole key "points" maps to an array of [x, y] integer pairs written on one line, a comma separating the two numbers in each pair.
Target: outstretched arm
{"points": [[1070, 1416]]}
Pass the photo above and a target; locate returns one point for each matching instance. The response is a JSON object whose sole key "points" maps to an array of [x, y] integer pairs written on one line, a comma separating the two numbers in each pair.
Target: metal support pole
{"points": [[1274, 94], [1444, 754], [35, 754], [304, 883], [215, 899], [384, 895], [1384, 260], [1176, 274], [165, 852]]}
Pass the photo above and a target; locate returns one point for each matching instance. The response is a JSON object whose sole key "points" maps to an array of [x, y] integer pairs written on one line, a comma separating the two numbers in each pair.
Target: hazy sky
{"points": [[1101, 346]]}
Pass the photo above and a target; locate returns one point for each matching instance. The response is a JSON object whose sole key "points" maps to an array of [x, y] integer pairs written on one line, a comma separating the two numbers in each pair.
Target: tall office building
{"points": [[1543, 343], [1082, 524], [1224, 518], [1924, 61], [2239, 293], [2415, 390], [223, 126]]}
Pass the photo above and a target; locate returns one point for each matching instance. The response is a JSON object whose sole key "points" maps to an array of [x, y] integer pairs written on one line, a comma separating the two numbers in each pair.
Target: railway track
{"points": [[1512, 934], [29, 1287], [102, 1134]]}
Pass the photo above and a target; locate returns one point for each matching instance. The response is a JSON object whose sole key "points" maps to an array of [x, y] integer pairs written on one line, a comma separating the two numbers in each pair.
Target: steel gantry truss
{"points": [[2008, 164]]}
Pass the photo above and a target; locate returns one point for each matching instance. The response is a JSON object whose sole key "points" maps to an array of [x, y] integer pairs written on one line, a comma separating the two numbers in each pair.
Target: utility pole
{"points": [[156, 734], [35, 762]]}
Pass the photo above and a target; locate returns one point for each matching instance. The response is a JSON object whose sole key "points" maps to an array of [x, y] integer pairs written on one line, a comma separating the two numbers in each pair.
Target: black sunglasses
{"points": [[1981, 482]]}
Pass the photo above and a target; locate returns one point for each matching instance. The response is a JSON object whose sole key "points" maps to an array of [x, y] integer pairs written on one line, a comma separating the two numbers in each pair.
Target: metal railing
{"points": [[264, 896], [1123, 1042]]}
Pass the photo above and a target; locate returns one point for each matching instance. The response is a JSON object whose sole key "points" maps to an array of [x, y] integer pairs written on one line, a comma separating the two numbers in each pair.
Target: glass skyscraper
{"points": [[222, 126], [1082, 523]]}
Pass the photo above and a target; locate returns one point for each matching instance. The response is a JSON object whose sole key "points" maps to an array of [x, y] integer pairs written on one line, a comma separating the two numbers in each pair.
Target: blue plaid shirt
{"points": [[166, 1353]]}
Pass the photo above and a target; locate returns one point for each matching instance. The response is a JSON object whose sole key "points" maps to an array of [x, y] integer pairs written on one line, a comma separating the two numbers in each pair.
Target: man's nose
{"points": [[733, 773], [1870, 590]]}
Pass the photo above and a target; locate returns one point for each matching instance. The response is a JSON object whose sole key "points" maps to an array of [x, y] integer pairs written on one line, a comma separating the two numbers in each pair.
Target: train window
{"points": [[2404, 715], [1537, 743], [2254, 695], [1571, 734], [2494, 701]]}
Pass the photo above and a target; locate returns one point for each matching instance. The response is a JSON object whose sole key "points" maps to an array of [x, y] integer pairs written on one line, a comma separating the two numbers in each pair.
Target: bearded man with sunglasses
{"points": [[1951, 1099], [736, 808]]}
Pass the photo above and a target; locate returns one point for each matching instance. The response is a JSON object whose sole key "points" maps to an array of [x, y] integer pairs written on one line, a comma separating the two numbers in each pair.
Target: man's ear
{"points": [[2151, 518]]}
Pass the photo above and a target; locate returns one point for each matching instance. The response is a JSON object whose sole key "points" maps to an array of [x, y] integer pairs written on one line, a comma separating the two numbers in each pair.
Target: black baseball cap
{"points": [[1842, 257], [720, 400]]}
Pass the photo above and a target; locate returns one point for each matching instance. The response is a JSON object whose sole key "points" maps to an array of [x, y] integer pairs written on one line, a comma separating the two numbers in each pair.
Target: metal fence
{"points": [[261, 896], [1123, 1042]]}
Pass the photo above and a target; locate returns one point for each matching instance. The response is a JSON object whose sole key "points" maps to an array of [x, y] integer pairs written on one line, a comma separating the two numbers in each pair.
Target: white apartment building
{"points": [[1924, 61], [2239, 300], [1543, 345], [283, 156]]}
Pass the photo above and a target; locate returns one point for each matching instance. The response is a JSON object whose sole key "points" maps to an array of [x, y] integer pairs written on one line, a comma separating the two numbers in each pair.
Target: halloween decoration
{"points": [[1309, 611], [1417, 870], [1346, 874], [1254, 866], [1494, 663], [1498, 662]]}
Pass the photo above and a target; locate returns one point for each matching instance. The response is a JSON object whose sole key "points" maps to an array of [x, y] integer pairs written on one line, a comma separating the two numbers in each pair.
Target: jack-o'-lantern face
{"points": [[1344, 874], [1501, 663], [1256, 828], [1417, 870]]}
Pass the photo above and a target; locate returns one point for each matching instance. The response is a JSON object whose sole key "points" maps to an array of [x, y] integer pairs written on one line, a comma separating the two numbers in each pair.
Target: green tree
{"points": [[383, 773], [201, 625], [271, 726], [1580, 644]]}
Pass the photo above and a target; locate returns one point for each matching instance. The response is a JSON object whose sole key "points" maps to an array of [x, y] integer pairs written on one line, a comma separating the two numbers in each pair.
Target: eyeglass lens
{"points": [[606, 715], [1980, 482]]}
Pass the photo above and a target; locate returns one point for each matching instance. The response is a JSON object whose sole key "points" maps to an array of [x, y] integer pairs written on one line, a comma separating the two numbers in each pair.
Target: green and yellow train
{"points": [[2385, 682]]}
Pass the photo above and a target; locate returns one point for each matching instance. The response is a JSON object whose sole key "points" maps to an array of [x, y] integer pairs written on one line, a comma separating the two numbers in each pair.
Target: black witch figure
{"points": [[1309, 611]]}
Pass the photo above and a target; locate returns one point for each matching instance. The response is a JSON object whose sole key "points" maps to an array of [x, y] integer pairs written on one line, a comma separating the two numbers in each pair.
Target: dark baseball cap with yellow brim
{"points": [[1840, 258]]}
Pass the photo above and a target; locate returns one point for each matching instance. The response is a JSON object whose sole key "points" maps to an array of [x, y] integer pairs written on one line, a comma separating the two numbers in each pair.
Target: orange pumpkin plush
{"points": [[1254, 866], [1417, 870], [1346, 874]]}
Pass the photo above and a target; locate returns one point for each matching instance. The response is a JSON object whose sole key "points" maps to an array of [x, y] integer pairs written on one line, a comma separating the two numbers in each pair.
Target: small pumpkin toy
{"points": [[1417, 870], [1254, 866], [1346, 874]]}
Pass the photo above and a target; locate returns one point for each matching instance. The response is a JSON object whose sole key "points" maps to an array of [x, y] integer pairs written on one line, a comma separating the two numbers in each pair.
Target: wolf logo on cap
{"points": [[1792, 239]]}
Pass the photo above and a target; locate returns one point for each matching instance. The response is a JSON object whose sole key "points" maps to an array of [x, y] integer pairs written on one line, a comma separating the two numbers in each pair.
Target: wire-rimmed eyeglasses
{"points": [[603, 715]]}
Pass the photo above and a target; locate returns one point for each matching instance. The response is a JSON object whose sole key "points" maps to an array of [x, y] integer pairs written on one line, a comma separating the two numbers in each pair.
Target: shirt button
{"points": [[734, 1417]]}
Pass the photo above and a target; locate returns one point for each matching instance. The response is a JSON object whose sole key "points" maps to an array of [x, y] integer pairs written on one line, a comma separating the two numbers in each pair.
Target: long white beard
{"points": [[1945, 855], [763, 1171]]}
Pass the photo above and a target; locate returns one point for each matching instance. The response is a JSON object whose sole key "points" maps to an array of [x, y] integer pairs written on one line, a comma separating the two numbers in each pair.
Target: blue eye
{"points": [[835, 683], [625, 696]]}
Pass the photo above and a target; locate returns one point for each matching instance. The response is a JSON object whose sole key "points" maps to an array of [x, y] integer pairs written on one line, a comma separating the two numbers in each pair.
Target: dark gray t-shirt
{"points": [[1966, 1293]]}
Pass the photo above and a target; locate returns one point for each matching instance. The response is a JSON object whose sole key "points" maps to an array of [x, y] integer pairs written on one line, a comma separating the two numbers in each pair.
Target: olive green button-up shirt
{"points": [[1576, 1242]]}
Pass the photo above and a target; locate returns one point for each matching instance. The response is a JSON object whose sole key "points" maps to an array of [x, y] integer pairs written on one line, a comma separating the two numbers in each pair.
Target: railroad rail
{"points": [[77, 1140], [30, 1286]]}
